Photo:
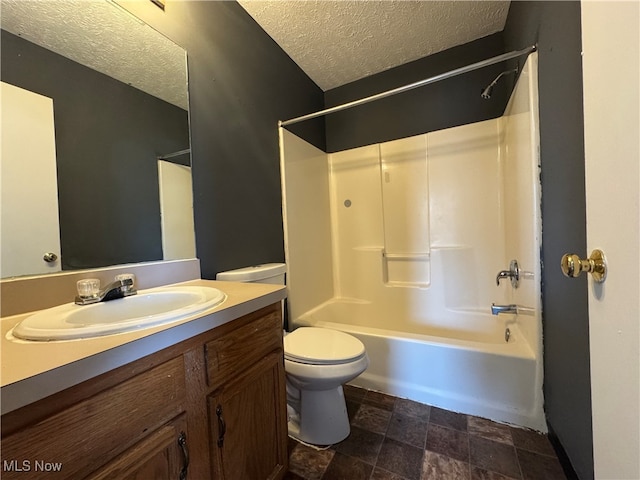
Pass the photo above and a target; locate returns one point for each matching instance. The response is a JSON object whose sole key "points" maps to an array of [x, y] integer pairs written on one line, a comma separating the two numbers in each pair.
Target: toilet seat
{"points": [[322, 346]]}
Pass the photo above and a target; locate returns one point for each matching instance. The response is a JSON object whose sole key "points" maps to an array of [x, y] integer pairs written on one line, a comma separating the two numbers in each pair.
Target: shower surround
{"points": [[399, 244]]}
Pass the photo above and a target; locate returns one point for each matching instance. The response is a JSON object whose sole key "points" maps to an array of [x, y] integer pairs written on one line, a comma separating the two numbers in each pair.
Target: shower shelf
{"points": [[406, 269]]}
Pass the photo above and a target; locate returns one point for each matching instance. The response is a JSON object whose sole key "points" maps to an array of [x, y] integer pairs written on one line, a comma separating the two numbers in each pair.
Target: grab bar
{"points": [[405, 256], [511, 309], [498, 309]]}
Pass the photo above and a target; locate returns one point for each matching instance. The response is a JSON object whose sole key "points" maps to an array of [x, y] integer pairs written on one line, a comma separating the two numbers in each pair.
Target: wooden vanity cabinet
{"points": [[213, 406], [247, 410]]}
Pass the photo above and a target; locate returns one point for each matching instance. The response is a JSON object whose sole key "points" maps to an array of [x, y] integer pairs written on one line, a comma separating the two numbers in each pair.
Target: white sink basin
{"points": [[146, 309]]}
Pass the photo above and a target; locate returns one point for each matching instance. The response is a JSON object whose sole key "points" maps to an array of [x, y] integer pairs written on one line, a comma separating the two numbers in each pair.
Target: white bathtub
{"points": [[469, 369]]}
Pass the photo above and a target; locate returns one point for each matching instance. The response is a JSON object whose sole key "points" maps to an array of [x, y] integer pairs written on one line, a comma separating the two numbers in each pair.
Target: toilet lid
{"points": [[321, 346]]}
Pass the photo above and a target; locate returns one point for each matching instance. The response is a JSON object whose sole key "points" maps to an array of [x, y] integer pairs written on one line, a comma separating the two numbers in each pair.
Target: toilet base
{"points": [[322, 418]]}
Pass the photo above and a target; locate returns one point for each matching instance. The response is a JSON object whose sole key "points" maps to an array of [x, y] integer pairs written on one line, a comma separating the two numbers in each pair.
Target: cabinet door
{"points": [[163, 454], [248, 423]]}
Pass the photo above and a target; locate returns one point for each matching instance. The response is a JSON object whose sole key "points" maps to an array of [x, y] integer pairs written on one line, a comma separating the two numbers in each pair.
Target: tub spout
{"points": [[498, 309]]}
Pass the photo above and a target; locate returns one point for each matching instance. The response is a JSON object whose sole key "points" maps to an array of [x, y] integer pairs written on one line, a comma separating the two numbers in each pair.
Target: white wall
{"points": [[521, 167], [522, 211], [306, 212], [358, 235], [467, 227], [405, 210], [453, 227]]}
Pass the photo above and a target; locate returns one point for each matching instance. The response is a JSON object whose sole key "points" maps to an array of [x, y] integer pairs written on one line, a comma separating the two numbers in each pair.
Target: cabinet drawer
{"points": [[244, 346], [81, 438]]}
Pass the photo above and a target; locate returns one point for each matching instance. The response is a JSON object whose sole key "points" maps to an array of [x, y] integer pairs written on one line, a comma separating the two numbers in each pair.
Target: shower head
{"points": [[486, 93]]}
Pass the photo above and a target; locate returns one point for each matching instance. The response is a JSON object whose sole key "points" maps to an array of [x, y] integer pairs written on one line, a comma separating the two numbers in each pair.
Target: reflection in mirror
{"points": [[113, 100]]}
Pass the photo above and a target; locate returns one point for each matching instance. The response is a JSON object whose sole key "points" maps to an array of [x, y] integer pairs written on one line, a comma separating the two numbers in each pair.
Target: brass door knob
{"points": [[572, 265]]}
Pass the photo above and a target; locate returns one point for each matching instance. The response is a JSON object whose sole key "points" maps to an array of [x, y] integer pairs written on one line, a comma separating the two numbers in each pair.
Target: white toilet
{"points": [[317, 362]]}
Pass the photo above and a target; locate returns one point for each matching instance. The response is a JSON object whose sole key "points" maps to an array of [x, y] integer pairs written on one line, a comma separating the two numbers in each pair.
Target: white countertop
{"points": [[30, 371]]}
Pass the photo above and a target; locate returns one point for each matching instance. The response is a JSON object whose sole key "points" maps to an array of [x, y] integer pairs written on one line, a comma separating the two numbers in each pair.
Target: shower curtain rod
{"points": [[411, 86], [174, 154]]}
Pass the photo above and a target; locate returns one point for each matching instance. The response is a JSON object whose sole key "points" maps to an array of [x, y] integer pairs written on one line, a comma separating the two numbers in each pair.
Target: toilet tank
{"points": [[266, 273]]}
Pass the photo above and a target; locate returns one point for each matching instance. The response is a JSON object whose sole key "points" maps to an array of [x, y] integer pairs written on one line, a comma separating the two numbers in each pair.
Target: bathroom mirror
{"points": [[118, 90]]}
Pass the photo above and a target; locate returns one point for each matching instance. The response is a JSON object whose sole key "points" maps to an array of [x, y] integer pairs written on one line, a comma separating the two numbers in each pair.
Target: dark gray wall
{"points": [[556, 27], [108, 136], [445, 104], [240, 84]]}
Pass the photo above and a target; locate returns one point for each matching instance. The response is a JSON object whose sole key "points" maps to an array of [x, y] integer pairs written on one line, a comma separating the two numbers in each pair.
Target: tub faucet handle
{"points": [[502, 274], [513, 273]]}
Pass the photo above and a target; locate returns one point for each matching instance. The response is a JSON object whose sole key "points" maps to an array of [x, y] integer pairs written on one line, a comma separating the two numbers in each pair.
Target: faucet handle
{"points": [[502, 274], [127, 281], [513, 273], [88, 288]]}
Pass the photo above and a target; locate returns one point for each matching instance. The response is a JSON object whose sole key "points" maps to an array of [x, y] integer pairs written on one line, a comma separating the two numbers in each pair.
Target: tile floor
{"points": [[397, 439]]}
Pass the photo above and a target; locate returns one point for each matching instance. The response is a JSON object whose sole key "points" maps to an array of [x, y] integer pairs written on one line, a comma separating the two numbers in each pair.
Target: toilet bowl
{"points": [[317, 362]]}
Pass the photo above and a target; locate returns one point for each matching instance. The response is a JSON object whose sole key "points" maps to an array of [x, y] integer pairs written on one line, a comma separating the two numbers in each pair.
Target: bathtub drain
{"points": [[507, 334]]}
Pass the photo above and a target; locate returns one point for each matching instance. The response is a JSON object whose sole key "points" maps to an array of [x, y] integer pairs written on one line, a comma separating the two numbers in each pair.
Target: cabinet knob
{"points": [[572, 265]]}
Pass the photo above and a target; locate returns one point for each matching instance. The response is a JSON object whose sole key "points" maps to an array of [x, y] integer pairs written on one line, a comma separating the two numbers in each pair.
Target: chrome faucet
{"points": [[513, 273], [118, 289], [498, 309]]}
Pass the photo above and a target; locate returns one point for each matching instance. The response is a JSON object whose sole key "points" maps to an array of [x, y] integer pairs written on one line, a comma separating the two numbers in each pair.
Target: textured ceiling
{"points": [[106, 38], [337, 42]]}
